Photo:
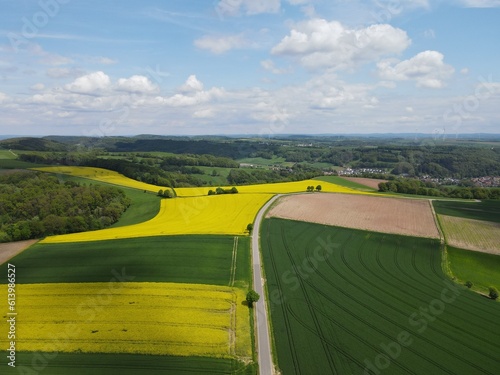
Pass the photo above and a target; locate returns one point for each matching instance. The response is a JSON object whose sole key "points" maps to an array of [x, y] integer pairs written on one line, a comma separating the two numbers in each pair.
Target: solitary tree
{"points": [[318, 188], [250, 227], [252, 296], [160, 193], [493, 293], [469, 284], [211, 192], [234, 190]]}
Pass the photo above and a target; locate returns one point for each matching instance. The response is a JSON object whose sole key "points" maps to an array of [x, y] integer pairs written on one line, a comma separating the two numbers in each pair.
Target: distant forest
{"points": [[34, 205]]}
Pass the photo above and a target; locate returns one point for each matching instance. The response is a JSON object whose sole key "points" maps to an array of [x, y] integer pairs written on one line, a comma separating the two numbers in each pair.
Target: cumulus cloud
{"points": [[427, 69], [192, 84], [191, 93], [92, 83], [248, 7], [318, 43], [137, 84], [221, 44]]}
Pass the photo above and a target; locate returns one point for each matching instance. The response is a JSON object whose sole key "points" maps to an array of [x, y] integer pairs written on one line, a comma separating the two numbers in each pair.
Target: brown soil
{"points": [[11, 249], [387, 215], [370, 182]]}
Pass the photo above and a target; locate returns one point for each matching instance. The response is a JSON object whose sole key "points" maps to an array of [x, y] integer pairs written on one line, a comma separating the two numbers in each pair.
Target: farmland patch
{"points": [[183, 259], [141, 318], [388, 215], [221, 214], [345, 301], [471, 234]]}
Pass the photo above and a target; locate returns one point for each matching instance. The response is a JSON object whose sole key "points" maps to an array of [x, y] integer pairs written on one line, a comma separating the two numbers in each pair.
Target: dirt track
{"points": [[387, 215], [11, 249]]}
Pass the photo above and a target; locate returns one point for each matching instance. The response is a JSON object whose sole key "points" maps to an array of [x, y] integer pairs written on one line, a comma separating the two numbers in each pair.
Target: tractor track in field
{"points": [[304, 292], [285, 316], [426, 303], [347, 294], [391, 338]]}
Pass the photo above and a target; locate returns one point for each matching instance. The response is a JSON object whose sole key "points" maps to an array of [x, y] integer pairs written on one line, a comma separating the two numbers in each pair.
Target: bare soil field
{"points": [[471, 234], [370, 182], [11, 249], [387, 215]]}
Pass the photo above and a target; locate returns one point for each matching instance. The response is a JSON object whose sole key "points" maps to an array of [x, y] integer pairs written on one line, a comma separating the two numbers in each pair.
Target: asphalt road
{"points": [[263, 339]]}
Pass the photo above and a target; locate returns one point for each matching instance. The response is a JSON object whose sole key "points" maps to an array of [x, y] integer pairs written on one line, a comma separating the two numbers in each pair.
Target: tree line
{"points": [[35, 205], [417, 187]]}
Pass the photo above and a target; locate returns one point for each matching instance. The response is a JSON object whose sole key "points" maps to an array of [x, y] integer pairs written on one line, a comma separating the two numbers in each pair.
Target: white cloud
{"points": [[427, 69], [481, 3], [92, 83], [3, 97], [248, 7], [221, 44], [192, 84], [318, 43], [137, 84], [269, 66], [38, 87], [204, 113]]}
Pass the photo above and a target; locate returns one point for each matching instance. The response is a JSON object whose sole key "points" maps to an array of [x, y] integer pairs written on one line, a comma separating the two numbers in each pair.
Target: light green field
{"points": [[471, 234], [483, 270]]}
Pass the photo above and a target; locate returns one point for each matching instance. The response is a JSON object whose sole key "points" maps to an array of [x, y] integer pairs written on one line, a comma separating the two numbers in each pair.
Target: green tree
{"points": [[493, 293], [469, 284], [250, 227], [252, 296], [160, 193], [234, 190], [318, 188]]}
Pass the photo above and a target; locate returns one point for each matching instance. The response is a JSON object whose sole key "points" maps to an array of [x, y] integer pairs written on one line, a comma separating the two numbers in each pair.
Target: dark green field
{"points": [[346, 302], [122, 364], [483, 270], [180, 259], [342, 182], [488, 210]]}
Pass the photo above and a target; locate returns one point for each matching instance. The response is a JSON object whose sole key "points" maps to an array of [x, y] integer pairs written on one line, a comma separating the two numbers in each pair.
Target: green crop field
{"points": [[123, 364], [488, 210], [181, 259], [342, 182], [345, 301], [483, 270], [7, 154]]}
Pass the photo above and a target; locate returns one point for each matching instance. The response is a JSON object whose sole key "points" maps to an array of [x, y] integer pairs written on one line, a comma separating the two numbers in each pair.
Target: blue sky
{"points": [[265, 67]]}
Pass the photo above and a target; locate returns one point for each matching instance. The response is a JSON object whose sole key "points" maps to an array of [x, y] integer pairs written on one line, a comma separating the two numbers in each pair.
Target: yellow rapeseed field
{"points": [[274, 188], [144, 318], [221, 214], [100, 174]]}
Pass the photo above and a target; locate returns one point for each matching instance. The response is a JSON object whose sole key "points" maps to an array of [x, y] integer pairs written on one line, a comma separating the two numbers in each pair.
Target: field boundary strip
{"points": [[233, 261]]}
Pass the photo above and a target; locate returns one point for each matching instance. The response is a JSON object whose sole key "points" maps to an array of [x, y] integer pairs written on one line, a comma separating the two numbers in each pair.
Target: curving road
{"points": [[264, 357]]}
